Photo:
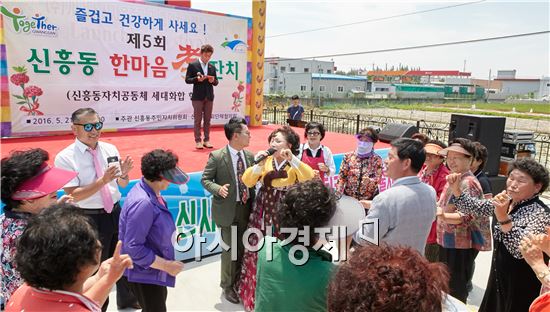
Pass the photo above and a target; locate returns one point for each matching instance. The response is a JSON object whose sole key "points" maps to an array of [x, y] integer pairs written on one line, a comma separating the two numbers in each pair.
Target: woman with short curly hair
{"points": [[518, 213], [282, 284], [146, 228], [57, 254], [28, 185], [388, 278]]}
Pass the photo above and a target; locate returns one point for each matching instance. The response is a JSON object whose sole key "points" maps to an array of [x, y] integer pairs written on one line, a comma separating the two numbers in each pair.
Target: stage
{"points": [[137, 143]]}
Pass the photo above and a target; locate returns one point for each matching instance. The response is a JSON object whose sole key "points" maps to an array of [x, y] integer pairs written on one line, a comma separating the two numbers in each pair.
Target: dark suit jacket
{"points": [[201, 90], [218, 172]]}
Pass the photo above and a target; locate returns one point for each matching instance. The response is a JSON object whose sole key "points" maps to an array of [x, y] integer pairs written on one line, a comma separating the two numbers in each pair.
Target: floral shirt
{"points": [[12, 226], [358, 177], [474, 231], [528, 216]]}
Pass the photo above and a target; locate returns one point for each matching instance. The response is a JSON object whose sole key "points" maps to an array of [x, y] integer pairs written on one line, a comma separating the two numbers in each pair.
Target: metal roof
{"points": [[337, 77]]}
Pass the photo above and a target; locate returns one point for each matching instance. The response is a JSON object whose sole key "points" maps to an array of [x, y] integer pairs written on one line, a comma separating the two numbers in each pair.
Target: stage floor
{"points": [[180, 141]]}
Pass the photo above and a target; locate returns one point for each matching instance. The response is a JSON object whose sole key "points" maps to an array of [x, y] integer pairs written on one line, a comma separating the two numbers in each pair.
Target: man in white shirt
{"points": [[95, 188]]}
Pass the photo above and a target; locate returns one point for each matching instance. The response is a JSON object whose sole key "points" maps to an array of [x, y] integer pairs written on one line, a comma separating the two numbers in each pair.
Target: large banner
{"points": [[126, 60]]}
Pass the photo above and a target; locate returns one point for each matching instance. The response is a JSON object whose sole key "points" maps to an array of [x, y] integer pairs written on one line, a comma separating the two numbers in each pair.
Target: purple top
{"points": [[145, 229]]}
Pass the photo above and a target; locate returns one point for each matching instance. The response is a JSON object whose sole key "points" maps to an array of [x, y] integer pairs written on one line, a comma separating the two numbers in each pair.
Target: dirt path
{"points": [[444, 117]]}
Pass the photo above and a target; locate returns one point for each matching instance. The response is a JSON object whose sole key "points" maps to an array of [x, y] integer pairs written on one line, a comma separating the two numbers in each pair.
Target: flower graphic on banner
{"points": [[237, 97], [29, 99]]}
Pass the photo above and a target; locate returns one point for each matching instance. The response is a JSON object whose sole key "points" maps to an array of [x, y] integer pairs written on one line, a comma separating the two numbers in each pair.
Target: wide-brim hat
{"points": [[433, 149], [175, 175], [455, 147], [349, 211], [48, 180]]}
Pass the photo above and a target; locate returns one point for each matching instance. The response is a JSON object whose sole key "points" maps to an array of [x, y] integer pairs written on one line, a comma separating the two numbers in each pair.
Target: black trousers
{"points": [[461, 268], [107, 227], [231, 268], [152, 298]]}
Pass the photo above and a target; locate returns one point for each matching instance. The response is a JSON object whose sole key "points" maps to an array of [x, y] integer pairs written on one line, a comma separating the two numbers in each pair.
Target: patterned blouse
{"points": [[12, 226], [528, 216], [474, 231], [358, 177]]}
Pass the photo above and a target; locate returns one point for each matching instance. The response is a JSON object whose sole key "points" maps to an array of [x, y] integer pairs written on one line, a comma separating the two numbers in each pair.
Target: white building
{"points": [[276, 70], [517, 86], [309, 79], [544, 88]]}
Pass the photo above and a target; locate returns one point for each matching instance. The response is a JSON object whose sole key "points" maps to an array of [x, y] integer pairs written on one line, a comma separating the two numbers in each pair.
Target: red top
{"points": [[29, 299], [314, 160], [541, 304], [435, 179]]}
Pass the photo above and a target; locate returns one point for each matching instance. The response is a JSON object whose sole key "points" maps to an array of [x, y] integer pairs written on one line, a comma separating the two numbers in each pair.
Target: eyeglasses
{"points": [[90, 126], [247, 133], [313, 133]]}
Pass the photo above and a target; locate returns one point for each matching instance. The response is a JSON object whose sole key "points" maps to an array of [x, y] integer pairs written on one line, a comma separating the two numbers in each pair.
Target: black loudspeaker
{"points": [[498, 184], [487, 130], [394, 130]]}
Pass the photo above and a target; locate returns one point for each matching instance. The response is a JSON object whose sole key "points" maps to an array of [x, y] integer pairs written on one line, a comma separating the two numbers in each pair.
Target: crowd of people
{"points": [[431, 223]]}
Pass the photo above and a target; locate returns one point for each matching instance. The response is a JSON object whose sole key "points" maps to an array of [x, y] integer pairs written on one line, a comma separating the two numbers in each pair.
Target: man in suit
{"points": [[232, 200], [406, 210], [202, 75]]}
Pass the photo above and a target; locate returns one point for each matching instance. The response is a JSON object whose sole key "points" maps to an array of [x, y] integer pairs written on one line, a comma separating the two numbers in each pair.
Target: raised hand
{"points": [[454, 183], [110, 174], [69, 199], [502, 203], [261, 154], [114, 267], [126, 166], [286, 154]]}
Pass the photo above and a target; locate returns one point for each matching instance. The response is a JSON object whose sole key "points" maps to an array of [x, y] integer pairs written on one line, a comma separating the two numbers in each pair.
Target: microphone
{"points": [[269, 152]]}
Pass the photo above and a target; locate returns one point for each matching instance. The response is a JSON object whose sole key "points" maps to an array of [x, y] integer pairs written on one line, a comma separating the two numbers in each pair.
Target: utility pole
{"points": [[319, 85], [464, 68], [488, 86]]}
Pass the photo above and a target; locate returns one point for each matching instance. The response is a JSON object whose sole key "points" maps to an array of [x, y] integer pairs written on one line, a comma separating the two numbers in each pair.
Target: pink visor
{"points": [[47, 181]]}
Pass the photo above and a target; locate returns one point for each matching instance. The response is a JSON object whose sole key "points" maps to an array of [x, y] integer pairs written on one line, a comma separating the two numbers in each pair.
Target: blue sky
{"points": [[528, 55]]}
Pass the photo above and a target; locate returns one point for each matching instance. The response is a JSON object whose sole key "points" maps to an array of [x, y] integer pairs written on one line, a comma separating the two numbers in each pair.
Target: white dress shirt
{"points": [[75, 157], [234, 157], [204, 67]]}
